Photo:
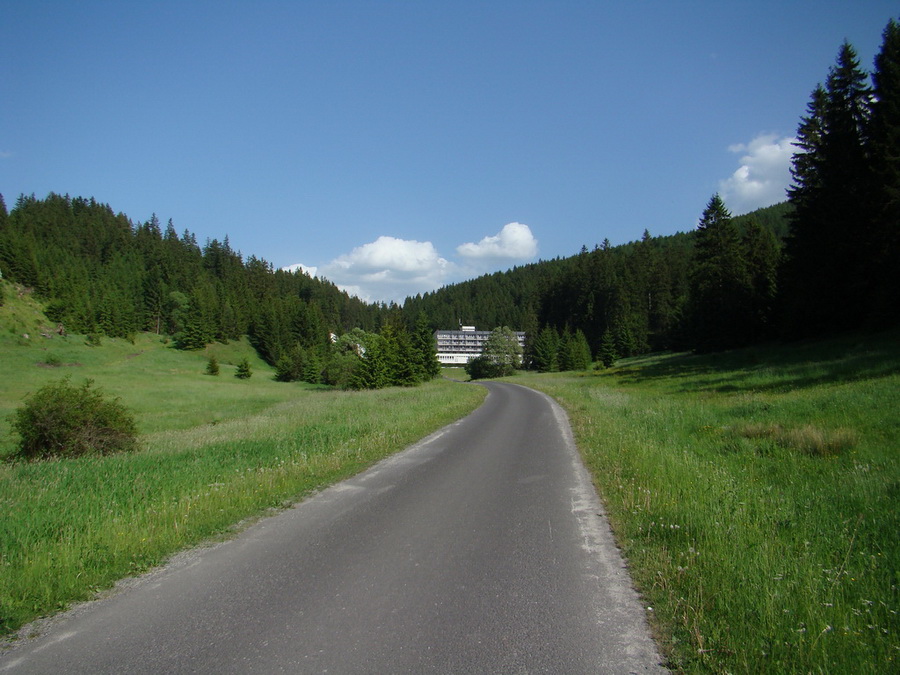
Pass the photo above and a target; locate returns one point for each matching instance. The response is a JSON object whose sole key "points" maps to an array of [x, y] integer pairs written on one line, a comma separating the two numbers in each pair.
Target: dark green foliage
{"points": [[393, 351], [291, 365], [883, 247], [424, 349], [344, 357], [544, 355], [212, 366], [103, 274], [340, 368], [392, 357], [763, 257], [502, 348], [575, 352], [608, 353], [196, 332], [243, 371], [372, 370], [720, 282], [626, 343], [840, 267], [483, 367], [60, 420], [313, 368]]}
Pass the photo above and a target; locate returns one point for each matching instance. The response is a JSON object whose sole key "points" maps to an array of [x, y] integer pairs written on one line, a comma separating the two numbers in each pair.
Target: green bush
{"points": [[243, 370], [482, 367], [212, 366], [60, 420]]}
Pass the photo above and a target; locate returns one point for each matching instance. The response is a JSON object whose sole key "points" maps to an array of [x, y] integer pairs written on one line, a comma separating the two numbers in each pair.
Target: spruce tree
{"points": [[565, 350], [608, 353], [883, 249], [720, 283], [312, 368], [579, 351], [243, 371], [372, 370], [763, 260], [425, 349], [824, 271], [212, 366], [545, 351]]}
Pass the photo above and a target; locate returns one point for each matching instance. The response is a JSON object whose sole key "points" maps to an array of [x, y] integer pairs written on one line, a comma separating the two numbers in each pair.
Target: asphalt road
{"points": [[481, 549]]}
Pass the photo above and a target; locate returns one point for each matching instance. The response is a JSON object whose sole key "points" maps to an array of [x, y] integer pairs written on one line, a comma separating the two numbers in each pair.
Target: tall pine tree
{"points": [[824, 272], [884, 139], [720, 284]]}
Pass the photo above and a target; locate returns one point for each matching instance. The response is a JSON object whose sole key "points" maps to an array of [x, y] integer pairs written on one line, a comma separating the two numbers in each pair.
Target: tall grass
{"points": [[756, 496], [215, 451]]}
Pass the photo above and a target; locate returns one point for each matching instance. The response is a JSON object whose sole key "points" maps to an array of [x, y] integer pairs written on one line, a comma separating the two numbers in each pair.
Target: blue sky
{"points": [[395, 147]]}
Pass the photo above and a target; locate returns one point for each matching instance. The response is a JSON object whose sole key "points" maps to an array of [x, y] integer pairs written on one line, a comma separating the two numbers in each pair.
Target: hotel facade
{"points": [[458, 347]]}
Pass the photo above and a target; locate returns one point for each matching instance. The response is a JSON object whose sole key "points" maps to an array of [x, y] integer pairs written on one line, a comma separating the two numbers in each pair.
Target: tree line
{"points": [[102, 274]]}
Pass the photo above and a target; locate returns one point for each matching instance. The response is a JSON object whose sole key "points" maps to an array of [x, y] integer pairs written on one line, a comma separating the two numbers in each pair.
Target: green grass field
{"points": [[215, 451], [756, 495]]}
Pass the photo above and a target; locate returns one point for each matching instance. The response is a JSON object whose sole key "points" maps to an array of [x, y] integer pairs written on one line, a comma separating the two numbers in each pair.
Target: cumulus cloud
{"points": [[308, 270], [514, 242], [391, 269], [763, 175], [388, 269]]}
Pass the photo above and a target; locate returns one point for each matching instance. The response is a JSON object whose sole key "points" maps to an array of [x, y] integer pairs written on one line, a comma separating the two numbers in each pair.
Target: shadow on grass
{"points": [[772, 367]]}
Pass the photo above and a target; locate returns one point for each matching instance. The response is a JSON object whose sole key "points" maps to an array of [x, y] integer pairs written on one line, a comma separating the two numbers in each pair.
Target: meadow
{"points": [[216, 452], [755, 495]]}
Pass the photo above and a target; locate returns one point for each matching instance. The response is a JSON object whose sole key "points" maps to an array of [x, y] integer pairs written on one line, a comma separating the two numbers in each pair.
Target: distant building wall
{"points": [[458, 347]]}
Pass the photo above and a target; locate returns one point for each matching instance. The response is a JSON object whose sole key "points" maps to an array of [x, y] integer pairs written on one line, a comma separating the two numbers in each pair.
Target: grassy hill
{"points": [[162, 385]]}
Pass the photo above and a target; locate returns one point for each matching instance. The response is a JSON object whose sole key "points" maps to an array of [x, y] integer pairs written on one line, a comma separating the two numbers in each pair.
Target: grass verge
{"points": [[214, 452], [755, 495]]}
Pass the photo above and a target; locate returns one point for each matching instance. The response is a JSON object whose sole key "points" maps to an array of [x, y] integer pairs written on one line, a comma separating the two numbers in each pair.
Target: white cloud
{"points": [[306, 269], [514, 242], [763, 176], [389, 269]]}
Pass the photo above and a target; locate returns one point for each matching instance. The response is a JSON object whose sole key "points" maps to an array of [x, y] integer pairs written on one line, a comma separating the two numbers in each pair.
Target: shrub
{"points": [[212, 366], [482, 367], [243, 370], [60, 420]]}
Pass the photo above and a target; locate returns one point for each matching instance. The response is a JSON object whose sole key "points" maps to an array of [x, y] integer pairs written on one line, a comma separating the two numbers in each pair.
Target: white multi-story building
{"points": [[458, 347]]}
